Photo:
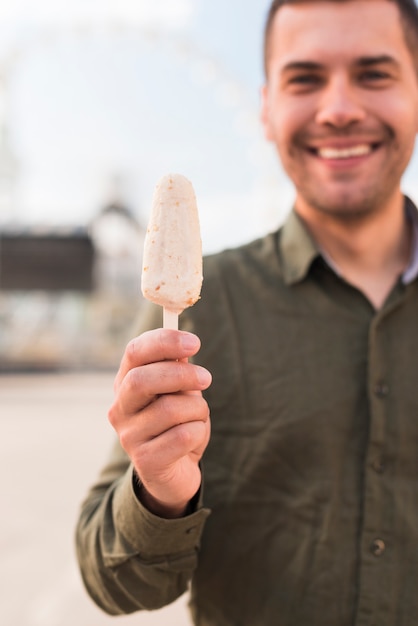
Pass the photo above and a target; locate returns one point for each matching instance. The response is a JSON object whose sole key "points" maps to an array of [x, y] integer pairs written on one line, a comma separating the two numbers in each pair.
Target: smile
{"points": [[345, 153]]}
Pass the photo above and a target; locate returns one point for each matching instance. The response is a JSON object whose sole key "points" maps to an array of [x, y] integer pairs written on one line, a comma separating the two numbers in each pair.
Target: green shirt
{"points": [[309, 509]]}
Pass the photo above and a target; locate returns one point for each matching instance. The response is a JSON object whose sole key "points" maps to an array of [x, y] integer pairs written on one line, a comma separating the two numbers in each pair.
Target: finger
{"points": [[160, 454], [165, 413], [154, 346], [143, 385]]}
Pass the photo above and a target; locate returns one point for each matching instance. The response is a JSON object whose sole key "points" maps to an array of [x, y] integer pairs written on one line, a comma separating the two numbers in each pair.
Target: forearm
{"points": [[129, 558]]}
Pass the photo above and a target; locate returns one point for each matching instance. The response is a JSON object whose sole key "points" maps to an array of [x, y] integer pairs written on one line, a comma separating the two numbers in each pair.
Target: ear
{"points": [[265, 112]]}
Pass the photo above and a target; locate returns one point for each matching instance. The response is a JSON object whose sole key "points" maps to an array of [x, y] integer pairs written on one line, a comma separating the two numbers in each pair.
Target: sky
{"points": [[103, 97]]}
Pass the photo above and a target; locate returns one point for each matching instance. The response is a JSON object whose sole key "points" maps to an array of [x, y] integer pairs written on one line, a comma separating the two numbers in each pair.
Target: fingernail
{"points": [[189, 342], [203, 376]]}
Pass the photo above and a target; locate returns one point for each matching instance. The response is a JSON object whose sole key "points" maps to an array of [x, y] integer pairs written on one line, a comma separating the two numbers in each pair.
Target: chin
{"points": [[346, 207]]}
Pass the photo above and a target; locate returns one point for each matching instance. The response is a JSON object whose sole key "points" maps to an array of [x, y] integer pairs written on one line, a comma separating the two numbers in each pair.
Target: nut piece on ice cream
{"points": [[172, 262]]}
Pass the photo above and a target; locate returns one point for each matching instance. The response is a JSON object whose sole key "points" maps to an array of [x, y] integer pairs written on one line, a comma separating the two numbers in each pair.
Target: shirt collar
{"points": [[411, 271], [298, 248]]}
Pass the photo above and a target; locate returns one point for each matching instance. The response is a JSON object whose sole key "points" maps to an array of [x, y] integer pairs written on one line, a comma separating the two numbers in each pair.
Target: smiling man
{"points": [[341, 105], [304, 349]]}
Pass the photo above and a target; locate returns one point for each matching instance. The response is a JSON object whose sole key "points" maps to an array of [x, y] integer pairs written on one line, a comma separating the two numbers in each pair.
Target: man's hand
{"points": [[161, 417]]}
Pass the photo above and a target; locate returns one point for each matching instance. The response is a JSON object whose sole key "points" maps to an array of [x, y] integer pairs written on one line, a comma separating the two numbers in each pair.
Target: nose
{"points": [[340, 104]]}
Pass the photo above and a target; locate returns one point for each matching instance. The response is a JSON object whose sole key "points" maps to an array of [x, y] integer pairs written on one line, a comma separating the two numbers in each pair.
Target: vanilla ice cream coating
{"points": [[172, 262]]}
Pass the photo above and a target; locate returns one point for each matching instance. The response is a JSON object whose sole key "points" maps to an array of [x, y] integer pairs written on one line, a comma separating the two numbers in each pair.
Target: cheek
{"points": [[405, 128], [399, 113], [288, 124], [292, 136], [298, 120]]}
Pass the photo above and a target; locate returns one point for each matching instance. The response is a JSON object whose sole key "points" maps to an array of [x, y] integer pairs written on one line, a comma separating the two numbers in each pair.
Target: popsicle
{"points": [[172, 261]]}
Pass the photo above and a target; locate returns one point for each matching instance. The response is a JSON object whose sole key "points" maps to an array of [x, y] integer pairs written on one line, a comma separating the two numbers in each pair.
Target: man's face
{"points": [[341, 103]]}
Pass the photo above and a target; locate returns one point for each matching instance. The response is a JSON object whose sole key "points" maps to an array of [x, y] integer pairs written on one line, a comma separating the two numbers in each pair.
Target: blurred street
{"points": [[55, 436]]}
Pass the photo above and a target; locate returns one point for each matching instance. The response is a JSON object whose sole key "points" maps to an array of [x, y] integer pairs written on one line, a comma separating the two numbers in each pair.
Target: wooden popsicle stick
{"points": [[170, 319]]}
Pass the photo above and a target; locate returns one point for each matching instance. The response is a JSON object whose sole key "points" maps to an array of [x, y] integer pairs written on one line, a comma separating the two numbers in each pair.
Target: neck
{"points": [[371, 251]]}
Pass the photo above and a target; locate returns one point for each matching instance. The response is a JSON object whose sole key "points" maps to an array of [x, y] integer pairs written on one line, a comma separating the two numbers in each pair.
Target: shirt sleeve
{"points": [[129, 558]]}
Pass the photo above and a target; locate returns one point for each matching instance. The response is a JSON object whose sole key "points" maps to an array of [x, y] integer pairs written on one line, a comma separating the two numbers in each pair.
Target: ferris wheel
{"points": [[207, 71]]}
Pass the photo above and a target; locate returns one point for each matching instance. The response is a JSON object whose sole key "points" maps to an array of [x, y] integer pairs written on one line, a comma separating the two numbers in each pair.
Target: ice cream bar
{"points": [[172, 261]]}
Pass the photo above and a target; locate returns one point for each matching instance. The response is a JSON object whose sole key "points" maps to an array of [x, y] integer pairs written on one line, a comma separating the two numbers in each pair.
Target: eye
{"points": [[299, 83], [304, 79], [374, 76]]}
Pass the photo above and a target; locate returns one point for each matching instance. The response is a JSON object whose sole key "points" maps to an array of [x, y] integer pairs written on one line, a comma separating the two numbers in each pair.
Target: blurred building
{"points": [[118, 241], [69, 297]]}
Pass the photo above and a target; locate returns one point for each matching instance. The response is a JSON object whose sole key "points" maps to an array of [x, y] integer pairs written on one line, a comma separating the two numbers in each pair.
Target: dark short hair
{"points": [[409, 19]]}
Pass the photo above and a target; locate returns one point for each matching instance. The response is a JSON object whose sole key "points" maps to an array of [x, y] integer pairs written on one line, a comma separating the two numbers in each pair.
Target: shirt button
{"points": [[381, 389], [378, 547], [378, 466]]}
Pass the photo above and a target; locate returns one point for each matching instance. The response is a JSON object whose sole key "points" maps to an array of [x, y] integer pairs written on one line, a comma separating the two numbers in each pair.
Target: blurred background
{"points": [[98, 100]]}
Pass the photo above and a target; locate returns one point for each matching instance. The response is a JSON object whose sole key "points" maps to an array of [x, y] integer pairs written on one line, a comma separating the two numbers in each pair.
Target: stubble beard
{"points": [[346, 208], [351, 205]]}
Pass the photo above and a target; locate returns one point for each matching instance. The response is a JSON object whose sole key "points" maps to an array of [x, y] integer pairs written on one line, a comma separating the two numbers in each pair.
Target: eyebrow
{"points": [[377, 60], [366, 61], [302, 65]]}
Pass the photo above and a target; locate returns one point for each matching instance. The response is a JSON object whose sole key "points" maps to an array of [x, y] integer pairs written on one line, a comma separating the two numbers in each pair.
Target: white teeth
{"points": [[344, 153]]}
